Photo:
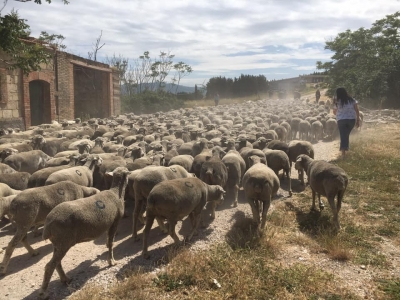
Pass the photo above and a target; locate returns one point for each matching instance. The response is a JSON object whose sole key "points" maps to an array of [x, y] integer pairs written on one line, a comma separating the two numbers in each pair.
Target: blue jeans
{"points": [[345, 127]]}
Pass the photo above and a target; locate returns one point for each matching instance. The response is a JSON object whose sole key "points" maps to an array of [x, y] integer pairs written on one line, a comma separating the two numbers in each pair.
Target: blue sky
{"points": [[275, 38]]}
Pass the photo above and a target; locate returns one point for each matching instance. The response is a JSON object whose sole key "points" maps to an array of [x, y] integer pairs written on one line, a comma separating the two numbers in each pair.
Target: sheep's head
{"points": [[254, 159], [38, 141], [300, 162], [216, 193]]}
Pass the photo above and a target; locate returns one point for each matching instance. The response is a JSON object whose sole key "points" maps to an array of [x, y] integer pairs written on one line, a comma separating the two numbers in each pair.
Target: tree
{"points": [[182, 70], [21, 51], [367, 62], [96, 47]]}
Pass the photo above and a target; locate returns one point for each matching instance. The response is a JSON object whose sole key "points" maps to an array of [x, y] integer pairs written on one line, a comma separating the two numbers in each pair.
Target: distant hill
{"points": [[168, 87]]}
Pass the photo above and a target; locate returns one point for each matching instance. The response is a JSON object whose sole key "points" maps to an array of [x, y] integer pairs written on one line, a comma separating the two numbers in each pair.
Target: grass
{"points": [[248, 265]]}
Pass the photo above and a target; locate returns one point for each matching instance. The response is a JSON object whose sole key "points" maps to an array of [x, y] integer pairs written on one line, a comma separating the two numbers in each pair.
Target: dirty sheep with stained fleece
{"points": [[327, 180], [175, 199], [84, 220]]}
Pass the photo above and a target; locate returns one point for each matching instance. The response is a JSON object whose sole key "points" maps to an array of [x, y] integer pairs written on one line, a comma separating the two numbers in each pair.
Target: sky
{"points": [[275, 38]]}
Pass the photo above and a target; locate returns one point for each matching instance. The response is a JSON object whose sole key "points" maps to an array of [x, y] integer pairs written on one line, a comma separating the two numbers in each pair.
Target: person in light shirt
{"points": [[347, 116]]}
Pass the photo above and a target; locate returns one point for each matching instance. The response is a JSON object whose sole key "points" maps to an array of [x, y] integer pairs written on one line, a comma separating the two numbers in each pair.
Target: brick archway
{"points": [[49, 108]]}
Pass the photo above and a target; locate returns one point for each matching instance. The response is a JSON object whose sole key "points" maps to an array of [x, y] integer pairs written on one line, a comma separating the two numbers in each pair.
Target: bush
{"points": [[150, 102]]}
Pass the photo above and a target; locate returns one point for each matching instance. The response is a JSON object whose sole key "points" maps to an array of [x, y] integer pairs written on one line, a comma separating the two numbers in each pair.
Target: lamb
{"points": [[30, 208], [260, 184], [83, 220], [175, 199], [278, 160], [295, 149], [327, 180], [82, 175], [17, 181], [146, 180], [27, 161]]}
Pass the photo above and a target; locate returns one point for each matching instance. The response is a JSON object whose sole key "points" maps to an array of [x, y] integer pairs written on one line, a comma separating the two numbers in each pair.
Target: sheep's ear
{"points": [[208, 158], [110, 174], [299, 159]]}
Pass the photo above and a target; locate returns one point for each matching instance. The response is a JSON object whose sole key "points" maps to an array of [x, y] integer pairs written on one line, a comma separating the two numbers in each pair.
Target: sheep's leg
{"points": [[313, 200], [213, 207], [335, 212], [235, 195], [28, 247], [290, 181], [254, 208], [171, 231], [146, 231], [320, 203], [110, 242], [195, 224], [161, 224], [265, 205], [58, 255], [19, 236], [63, 277], [36, 231], [136, 211]]}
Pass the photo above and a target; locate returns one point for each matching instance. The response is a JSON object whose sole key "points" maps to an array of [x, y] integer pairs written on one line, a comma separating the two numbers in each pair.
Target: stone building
{"points": [[68, 87]]}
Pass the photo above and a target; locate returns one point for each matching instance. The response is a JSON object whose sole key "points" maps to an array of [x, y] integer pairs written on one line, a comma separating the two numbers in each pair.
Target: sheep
{"points": [[39, 177], [317, 131], [5, 190], [260, 184], [17, 181], [59, 161], [146, 180], [327, 180], [282, 133], [295, 127], [82, 175], [30, 208], [175, 199], [304, 130], [331, 128], [236, 167], [82, 220], [295, 149], [185, 161], [5, 206], [27, 161], [6, 169], [278, 160], [214, 172]]}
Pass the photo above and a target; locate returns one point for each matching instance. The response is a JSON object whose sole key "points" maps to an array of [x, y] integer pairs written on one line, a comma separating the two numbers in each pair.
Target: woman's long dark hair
{"points": [[343, 97]]}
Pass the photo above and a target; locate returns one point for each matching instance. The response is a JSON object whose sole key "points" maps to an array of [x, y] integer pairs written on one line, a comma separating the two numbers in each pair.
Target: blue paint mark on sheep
{"points": [[100, 204], [78, 172], [61, 192], [173, 170]]}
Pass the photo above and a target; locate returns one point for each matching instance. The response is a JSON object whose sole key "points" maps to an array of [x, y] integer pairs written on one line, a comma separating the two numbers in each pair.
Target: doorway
{"points": [[39, 94]]}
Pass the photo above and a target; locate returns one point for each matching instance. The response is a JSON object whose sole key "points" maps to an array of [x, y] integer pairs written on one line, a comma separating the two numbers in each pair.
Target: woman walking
{"points": [[347, 115]]}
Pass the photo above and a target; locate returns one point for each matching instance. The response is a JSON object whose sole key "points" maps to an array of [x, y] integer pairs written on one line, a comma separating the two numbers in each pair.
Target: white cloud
{"points": [[226, 37]]}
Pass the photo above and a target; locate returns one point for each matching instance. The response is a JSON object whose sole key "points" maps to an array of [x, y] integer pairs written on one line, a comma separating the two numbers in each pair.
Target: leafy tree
{"points": [[182, 70], [21, 51], [367, 62]]}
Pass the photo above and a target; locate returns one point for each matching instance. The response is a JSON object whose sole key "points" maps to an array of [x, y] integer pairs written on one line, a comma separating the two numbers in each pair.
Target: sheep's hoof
{"points": [[66, 280], [43, 295], [313, 209], [135, 238], [34, 253], [37, 233], [112, 262], [235, 204], [2, 270], [146, 255], [290, 194]]}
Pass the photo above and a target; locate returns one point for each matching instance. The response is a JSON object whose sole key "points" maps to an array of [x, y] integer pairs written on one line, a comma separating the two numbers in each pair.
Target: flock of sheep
{"points": [[74, 178]]}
